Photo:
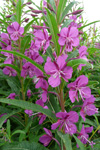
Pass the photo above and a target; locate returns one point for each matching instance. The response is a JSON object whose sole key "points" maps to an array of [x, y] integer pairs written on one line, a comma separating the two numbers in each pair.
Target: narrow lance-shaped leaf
{"points": [[25, 57], [61, 6], [66, 140], [66, 10], [89, 24], [18, 11], [29, 106], [12, 66], [80, 144], [54, 30], [3, 118], [76, 62]]}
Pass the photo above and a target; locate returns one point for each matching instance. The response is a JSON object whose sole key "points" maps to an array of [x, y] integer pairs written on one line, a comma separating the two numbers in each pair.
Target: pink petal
{"points": [[54, 82]]}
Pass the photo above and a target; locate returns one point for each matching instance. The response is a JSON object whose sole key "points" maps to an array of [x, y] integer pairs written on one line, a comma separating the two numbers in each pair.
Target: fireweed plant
{"points": [[46, 61]]}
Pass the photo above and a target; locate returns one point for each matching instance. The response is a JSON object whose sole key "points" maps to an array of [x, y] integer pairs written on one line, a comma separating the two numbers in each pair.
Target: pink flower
{"points": [[82, 55], [57, 70], [27, 69], [29, 93], [69, 38], [42, 39], [66, 121], [88, 107], [29, 112], [79, 85], [9, 71], [41, 116], [15, 31], [12, 96], [5, 41], [46, 138], [83, 136]]}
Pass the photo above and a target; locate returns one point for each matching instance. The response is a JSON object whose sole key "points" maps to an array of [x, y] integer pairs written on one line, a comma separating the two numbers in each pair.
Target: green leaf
{"points": [[25, 43], [66, 140], [29, 106], [12, 66], [6, 24], [25, 145], [3, 118], [89, 24], [66, 10], [93, 83], [26, 28], [54, 30], [8, 127], [80, 144], [61, 6], [66, 23], [18, 11], [25, 57], [18, 131], [76, 62]]}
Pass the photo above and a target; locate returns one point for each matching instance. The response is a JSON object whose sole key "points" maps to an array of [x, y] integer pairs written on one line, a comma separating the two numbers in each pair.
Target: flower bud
{"points": [[77, 12], [37, 11], [39, 27]]}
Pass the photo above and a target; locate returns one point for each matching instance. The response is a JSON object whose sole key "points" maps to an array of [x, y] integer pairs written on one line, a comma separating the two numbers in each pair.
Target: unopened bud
{"points": [[81, 32], [77, 12], [28, 3], [39, 27], [50, 7], [26, 19], [14, 4], [37, 11], [33, 15], [30, 7]]}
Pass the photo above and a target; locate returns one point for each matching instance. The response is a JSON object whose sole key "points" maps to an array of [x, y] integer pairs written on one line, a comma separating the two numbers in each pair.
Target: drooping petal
{"points": [[73, 116], [45, 139], [73, 32], [55, 125], [54, 81], [72, 95]]}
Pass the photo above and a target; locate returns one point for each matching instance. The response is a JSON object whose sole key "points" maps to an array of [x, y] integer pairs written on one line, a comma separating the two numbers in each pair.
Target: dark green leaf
{"points": [[25, 57], [66, 10], [3, 118], [54, 30], [80, 144], [66, 140], [25, 145], [29, 106], [76, 62]]}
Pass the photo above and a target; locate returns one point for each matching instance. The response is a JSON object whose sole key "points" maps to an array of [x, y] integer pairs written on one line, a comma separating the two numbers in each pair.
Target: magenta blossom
{"points": [[82, 55], [42, 39], [29, 112], [29, 93], [88, 107], [41, 116], [15, 31], [83, 136], [27, 69], [46, 138], [9, 71], [79, 85], [57, 70], [5, 41], [69, 38], [12, 96], [66, 121]]}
